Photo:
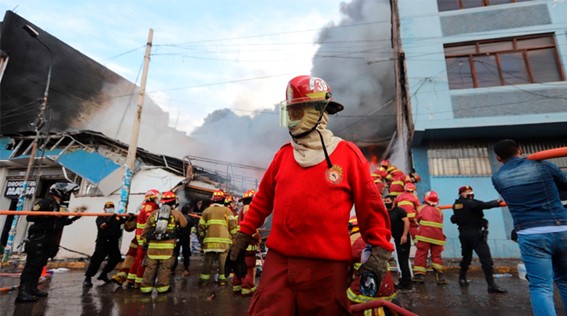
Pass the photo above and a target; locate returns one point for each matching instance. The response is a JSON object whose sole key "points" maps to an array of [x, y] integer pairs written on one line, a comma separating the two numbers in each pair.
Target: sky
{"points": [[206, 55], [220, 67]]}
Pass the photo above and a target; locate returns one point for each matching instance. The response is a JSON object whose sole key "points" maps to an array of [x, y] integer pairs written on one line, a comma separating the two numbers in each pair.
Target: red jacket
{"points": [[311, 212], [147, 208], [409, 202], [430, 220]]}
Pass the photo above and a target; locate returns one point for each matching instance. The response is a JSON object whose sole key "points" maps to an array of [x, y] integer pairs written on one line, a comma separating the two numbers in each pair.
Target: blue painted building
{"points": [[476, 72]]}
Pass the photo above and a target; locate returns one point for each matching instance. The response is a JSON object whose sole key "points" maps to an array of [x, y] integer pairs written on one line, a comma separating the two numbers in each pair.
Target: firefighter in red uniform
{"points": [[384, 165], [309, 189], [378, 181], [365, 291], [231, 204], [430, 238], [396, 181], [122, 275], [409, 202], [247, 286], [150, 204]]}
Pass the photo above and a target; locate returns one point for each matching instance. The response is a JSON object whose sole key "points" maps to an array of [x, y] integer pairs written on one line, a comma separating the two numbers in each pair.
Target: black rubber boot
{"points": [[24, 294], [495, 289], [463, 281], [463, 278], [103, 277], [87, 282], [35, 291]]}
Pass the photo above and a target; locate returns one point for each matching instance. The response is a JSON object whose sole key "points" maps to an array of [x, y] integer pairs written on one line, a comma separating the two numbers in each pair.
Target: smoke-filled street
{"points": [[67, 296]]}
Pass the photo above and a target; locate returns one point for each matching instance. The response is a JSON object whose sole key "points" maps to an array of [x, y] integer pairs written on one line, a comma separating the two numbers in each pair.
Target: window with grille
{"points": [[458, 160], [510, 61], [533, 146], [448, 5]]}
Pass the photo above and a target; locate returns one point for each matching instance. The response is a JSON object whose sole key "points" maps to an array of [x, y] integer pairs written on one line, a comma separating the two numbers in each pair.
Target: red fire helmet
{"points": [[249, 194], [152, 194], [410, 187], [305, 89], [168, 197], [431, 198], [218, 196]]}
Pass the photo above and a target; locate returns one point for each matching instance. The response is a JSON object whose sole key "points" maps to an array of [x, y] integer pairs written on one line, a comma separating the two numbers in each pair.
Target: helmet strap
{"points": [[327, 158]]}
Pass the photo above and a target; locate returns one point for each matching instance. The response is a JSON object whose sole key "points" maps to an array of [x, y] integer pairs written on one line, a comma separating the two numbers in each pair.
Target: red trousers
{"points": [[136, 272], [299, 286], [248, 282], [420, 260]]}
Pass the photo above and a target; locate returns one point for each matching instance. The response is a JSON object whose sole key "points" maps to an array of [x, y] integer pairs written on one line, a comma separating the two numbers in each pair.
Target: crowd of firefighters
{"points": [[163, 233], [153, 252]]}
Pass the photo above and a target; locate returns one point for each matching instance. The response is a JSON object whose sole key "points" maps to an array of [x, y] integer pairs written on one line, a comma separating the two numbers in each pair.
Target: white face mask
{"points": [[109, 210]]}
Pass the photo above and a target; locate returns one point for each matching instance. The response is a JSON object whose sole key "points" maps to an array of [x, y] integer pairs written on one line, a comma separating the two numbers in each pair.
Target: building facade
{"points": [[476, 72]]}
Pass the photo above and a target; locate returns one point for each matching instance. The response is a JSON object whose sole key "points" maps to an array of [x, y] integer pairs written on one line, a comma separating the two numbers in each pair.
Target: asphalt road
{"points": [[67, 296]]}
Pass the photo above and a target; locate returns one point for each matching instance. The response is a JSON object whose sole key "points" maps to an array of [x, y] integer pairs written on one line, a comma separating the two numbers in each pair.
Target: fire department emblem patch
{"points": [[334, 174]]}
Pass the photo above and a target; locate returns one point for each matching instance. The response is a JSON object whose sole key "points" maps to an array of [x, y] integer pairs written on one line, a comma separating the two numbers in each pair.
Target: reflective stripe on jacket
{"points": [[216, 226], [430, 219]]}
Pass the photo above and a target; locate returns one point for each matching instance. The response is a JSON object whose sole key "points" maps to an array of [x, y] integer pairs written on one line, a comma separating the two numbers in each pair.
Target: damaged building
{"points": [[56, 99]]}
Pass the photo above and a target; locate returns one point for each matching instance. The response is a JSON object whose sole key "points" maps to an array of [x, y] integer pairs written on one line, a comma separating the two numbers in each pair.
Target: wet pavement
{"points": [[68, 297]]}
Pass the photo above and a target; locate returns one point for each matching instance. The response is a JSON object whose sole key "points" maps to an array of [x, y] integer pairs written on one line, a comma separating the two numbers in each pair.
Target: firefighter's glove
{"points": [[239, 245], [238, 266], [377, 263], [235, 261]]}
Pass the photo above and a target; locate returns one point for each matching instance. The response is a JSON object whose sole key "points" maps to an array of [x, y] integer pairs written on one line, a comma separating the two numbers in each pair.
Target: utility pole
{"points": [[404, 119], [131, 158]]}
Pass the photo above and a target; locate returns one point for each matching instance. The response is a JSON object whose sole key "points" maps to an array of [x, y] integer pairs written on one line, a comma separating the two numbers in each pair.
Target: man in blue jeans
{"points": [[532, 191]]}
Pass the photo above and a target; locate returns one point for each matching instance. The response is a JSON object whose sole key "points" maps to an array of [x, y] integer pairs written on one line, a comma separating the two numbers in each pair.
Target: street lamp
{"points": [[37, 124]]}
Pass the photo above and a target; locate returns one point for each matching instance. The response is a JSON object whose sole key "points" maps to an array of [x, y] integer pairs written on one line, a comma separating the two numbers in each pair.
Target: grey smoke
{"points": [[355, 59]]}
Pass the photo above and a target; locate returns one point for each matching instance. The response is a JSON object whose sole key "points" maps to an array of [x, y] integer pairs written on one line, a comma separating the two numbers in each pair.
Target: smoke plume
{"points": [[355, 58]]}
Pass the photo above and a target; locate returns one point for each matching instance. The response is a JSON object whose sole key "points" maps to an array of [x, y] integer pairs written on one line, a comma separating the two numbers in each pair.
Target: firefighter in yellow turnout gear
{"points": [[216, 227], [159, 231]]}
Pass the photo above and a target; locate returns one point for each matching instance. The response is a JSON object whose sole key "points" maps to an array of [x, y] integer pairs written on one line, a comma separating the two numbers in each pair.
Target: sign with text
{"points": [[14, 188]]}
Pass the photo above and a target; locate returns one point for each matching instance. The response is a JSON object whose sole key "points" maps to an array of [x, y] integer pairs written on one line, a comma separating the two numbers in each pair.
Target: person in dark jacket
{"points": [[107, 244], [43, 238], [473, 233], [183, 244], [400, 226]]}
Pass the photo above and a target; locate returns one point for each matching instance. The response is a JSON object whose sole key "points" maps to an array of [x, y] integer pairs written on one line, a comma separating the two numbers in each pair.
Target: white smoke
{"points": [[116, 119]]}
